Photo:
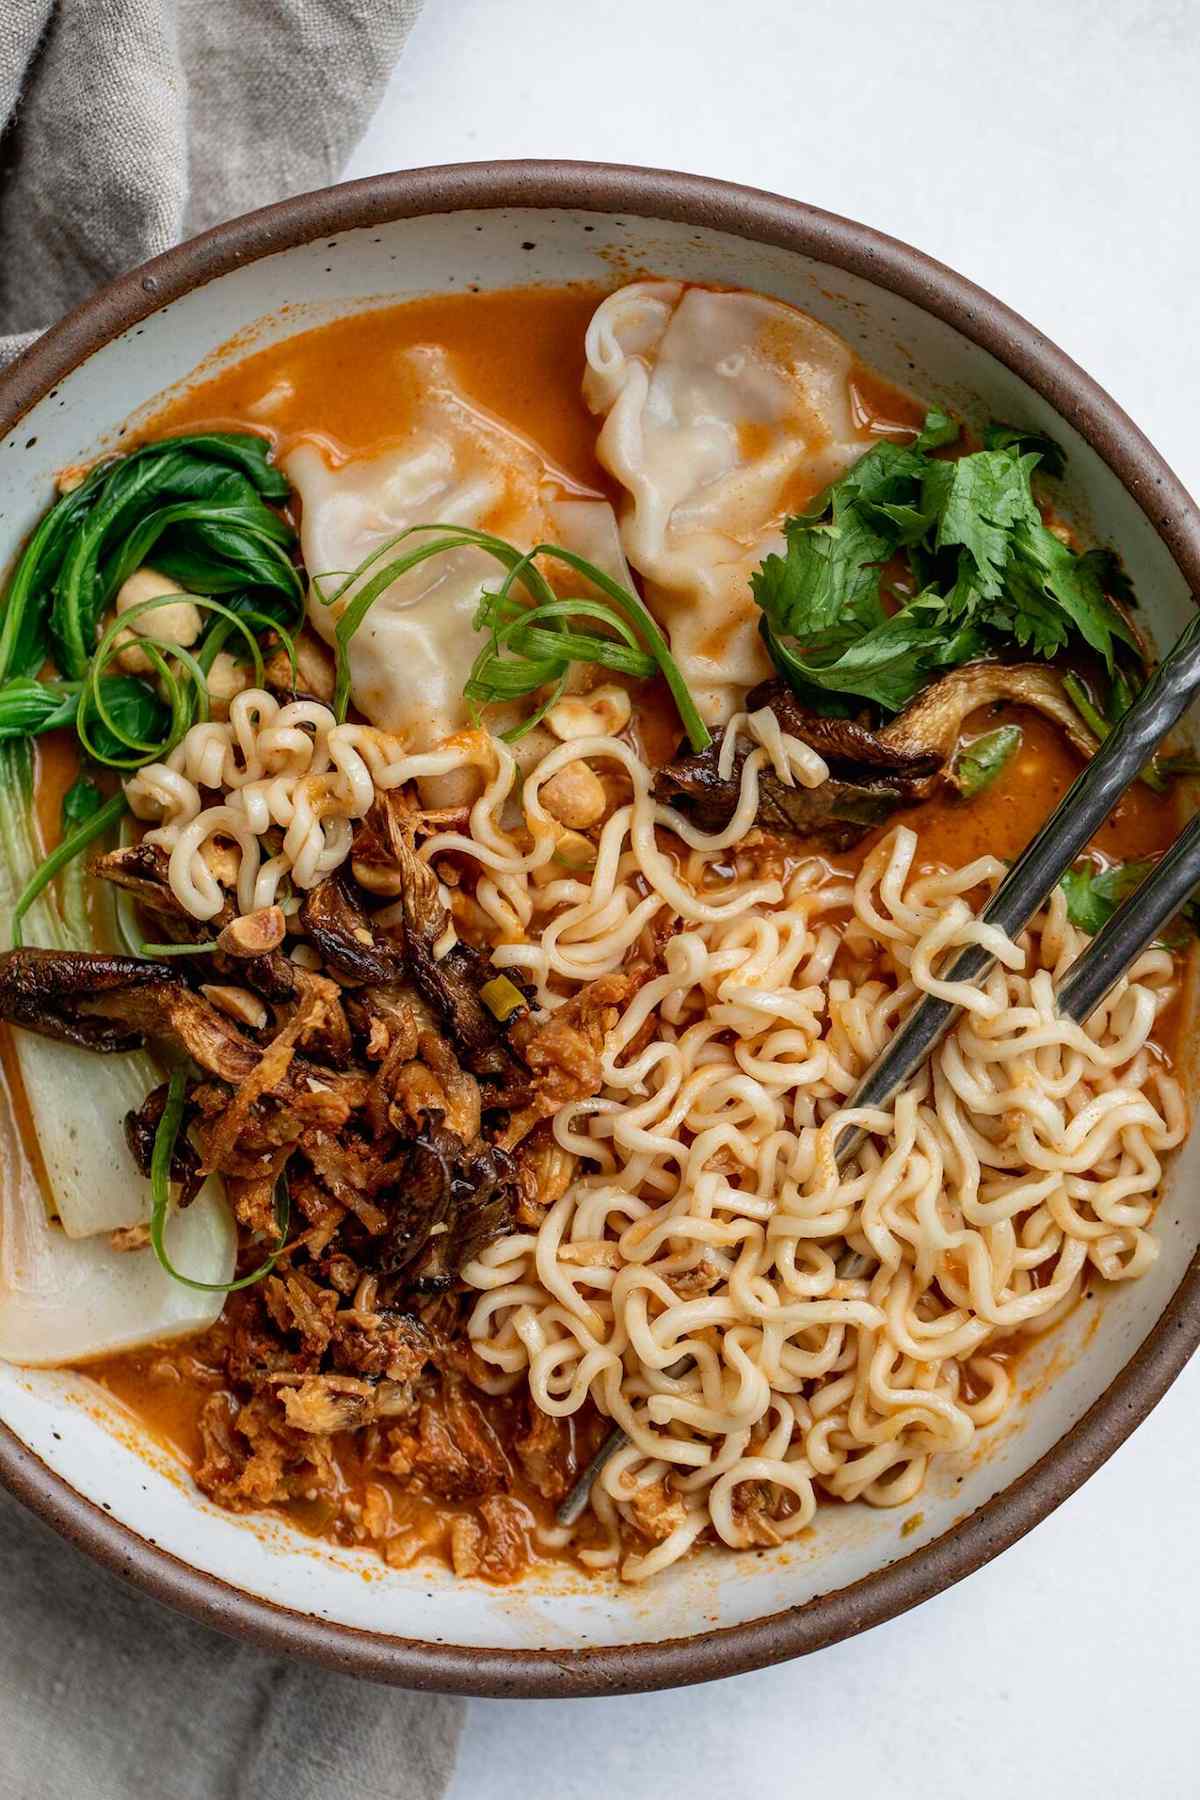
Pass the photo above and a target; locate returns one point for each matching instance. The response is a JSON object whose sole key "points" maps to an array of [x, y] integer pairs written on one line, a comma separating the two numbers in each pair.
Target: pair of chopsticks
{"points": [[1022, 893]]}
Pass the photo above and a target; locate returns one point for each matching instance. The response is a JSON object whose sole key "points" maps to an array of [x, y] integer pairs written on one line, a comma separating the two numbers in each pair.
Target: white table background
{"points": [[1048, 149]]}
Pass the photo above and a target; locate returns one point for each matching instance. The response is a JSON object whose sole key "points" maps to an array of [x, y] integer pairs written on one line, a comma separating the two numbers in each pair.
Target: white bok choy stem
{"points": [[65, 1300], [67, 1295], [77, 1100]]}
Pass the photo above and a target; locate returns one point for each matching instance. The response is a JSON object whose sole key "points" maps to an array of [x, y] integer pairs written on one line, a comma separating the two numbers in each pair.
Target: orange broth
{"points": [[517, 353], [520, 355]]}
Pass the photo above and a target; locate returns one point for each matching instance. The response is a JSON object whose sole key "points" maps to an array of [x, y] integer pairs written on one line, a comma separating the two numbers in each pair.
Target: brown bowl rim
{"points": [[897, 267]]}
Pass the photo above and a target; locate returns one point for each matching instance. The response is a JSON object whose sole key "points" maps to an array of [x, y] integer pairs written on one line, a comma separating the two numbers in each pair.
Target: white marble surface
{"points": [[1048, 149]]}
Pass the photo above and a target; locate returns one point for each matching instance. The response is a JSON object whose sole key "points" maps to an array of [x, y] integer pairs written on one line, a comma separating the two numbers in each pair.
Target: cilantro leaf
{"points": [[1051, 457], [1043, 568], [988, 574], [829, 571], [938, 430], [888, 663], [1094, 894], [977, 501]]}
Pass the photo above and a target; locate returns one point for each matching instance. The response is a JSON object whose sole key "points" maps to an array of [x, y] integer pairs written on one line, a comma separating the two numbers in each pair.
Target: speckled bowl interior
{"points": [[73, 1454]]}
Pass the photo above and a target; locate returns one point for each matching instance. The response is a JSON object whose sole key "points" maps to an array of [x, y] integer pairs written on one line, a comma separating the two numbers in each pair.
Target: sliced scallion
{"points": [[187, 699], [543, 656], [502, 997], [646, 624], [165, 1138]]}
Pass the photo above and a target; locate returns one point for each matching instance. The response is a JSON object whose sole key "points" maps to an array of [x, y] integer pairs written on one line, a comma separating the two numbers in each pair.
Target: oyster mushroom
{"points": [[871, 773], [933, 722]]}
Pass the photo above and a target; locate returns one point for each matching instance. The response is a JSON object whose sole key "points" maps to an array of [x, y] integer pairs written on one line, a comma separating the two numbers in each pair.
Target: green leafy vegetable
{"points": [[28, 708], [165, 1138], [199, 503], [1094, 893], [986, 573], [23, 633], [81, 802], [984, 759], [114, 736], [1051, 457], [74, 1096]]}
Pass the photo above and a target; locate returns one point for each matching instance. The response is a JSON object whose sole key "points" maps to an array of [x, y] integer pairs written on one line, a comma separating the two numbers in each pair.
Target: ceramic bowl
{"points": [[81, 1463]]}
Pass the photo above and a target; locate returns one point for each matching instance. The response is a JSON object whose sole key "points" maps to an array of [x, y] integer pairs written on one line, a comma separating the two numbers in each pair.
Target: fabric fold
{"points": [[129, 124]]}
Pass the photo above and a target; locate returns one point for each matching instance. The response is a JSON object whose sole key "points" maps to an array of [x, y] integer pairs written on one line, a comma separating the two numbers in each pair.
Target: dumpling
{"points": [[457, 465], [589, 528], [723, 412], [413, 652]]}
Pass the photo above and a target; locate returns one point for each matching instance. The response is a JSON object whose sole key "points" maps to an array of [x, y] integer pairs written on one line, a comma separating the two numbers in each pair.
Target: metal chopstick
{"points": [[1024, 890], [1134, 925], [1036, 872]]}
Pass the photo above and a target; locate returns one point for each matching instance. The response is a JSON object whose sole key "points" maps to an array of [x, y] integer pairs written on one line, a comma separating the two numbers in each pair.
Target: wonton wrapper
{"points": [[412, 654], [723, 412]]}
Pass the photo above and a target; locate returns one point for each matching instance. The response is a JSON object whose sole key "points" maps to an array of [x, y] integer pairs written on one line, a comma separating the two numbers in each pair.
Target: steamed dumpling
{"points": [[722, 413], [457, 465], [413, 652]]}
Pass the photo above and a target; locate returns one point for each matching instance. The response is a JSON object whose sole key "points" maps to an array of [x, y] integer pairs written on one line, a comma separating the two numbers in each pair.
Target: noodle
{"points": [[763, 1326], [832, 1328], [292, 768]]}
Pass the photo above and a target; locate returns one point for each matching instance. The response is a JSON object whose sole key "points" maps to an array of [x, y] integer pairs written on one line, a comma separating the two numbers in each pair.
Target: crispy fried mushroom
{"points": [[871, 773]]}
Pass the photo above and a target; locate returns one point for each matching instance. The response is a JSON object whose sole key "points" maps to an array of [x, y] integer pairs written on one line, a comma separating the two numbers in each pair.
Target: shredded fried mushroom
{"points": [[620, 1203]]}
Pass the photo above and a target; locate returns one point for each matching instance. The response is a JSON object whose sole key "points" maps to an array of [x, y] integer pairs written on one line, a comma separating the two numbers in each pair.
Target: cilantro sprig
{"points": [[987, 574], [1094, 894]]}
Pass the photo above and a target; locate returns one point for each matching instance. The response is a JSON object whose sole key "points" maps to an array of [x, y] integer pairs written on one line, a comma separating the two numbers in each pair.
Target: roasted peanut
{"points": [[223, 859], [316, 671], [226, 679], [574, 856], [254, 933], [575, 796], [602, 713], [178, 623], [237, 1003], [383, 879]]}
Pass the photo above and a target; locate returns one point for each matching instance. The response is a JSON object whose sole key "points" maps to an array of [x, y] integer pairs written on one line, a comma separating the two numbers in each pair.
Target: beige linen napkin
{"points": [[104, 1695], [128, 124]]}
